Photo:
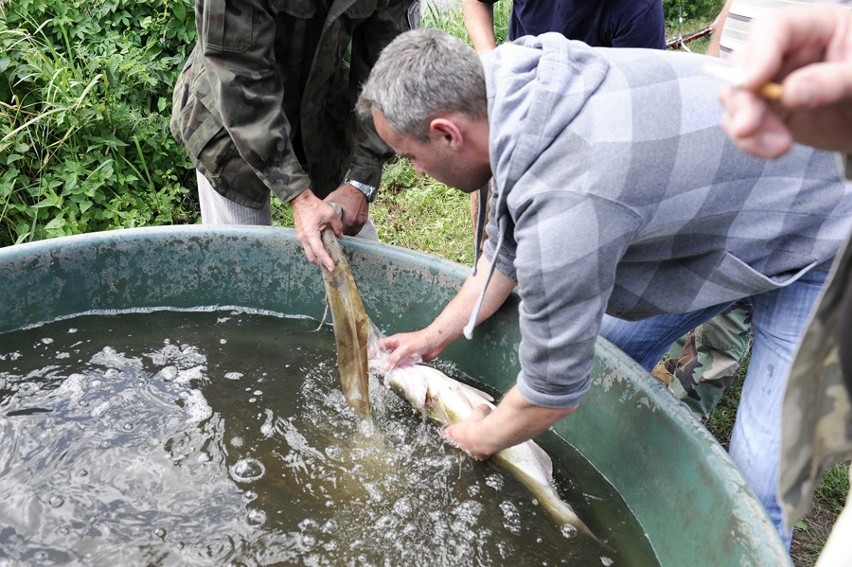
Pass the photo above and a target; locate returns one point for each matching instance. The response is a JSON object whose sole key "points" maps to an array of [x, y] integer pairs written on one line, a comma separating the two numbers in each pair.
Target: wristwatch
{"points": [[368, 190]]}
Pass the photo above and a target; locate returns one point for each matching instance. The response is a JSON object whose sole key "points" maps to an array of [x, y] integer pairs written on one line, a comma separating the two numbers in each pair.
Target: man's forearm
{"points": [[479, 21], [450, 323], [513, 421]]}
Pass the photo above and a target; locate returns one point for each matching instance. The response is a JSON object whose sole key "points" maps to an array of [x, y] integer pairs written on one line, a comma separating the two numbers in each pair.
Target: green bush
{"points": [[704, 10], [85, 93]]}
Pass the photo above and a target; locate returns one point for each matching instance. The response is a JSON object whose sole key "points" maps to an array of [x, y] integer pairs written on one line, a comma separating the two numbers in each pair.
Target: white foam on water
{"points": [[196, 406], [72, 387], [111, 358], [186, 376]]}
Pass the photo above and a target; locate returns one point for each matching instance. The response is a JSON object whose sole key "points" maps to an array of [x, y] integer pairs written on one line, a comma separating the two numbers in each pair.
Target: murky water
{"points": [[221, 438]]}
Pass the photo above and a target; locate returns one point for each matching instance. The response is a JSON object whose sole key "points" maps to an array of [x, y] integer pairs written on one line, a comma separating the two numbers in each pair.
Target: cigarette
{"points": [[734, 78]]}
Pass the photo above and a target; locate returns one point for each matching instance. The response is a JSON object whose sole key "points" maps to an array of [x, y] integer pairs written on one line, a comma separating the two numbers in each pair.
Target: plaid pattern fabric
{"points": [[617, 191]]}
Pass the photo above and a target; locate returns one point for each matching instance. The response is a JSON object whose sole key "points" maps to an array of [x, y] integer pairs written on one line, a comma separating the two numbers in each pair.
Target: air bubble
{"points": [[247, 470], [568, 531], [256, 517], [56, 501]]}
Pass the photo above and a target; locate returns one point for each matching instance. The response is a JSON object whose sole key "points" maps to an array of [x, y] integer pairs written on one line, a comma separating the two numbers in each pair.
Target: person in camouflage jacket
{"points": [[265, 103]]}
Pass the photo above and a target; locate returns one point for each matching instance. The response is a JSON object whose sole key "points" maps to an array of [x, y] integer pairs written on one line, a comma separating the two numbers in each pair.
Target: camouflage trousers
{"points": [[702, 364]]}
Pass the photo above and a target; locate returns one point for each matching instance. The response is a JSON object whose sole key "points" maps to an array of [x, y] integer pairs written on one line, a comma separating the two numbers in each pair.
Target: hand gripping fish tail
{"points": [[351, 327], [449, 401]]}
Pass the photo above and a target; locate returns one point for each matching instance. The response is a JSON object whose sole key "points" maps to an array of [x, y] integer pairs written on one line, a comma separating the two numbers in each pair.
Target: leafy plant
{"points": [[704, 10], [84, 138]]}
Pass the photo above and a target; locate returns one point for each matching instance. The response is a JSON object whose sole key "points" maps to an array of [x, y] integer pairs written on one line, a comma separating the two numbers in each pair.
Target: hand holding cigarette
{"points": [[807, 53]]}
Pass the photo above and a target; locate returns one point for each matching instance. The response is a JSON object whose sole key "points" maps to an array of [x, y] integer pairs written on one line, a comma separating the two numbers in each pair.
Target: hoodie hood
{"points": [[536, 86]]}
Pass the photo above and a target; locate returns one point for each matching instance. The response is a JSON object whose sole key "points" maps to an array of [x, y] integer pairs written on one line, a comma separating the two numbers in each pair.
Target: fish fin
{"points": [[473, 395], [542, 457]]}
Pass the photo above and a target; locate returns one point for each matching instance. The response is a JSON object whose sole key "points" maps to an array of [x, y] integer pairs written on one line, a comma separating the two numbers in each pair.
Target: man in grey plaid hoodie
{"points": [[619, 208]]}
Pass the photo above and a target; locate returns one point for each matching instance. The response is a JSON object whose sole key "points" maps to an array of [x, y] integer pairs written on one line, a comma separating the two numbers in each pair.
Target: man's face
{"points": [[435, 158]]}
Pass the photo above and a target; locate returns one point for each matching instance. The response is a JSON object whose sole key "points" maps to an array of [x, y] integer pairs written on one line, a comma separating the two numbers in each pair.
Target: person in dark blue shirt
{"points": [[608, 23]]}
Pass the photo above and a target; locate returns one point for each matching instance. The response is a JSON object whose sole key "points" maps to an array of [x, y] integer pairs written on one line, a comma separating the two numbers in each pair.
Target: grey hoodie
{"points": [[615, 190]]}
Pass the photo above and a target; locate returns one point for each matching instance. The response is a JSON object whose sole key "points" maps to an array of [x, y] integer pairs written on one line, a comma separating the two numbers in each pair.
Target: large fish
{"points": [[448, 401], [427, 389], [351, 327]]}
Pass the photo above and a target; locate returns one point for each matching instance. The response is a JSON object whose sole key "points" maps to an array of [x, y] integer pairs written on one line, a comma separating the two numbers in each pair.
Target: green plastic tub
{"points": [[673, 475]]}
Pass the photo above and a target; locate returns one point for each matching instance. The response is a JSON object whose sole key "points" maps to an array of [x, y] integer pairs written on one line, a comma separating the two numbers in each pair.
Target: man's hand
{"points": [[355, 207], [467, 434], [310, 215], [486, 431], [809, 51], [417, 346]]}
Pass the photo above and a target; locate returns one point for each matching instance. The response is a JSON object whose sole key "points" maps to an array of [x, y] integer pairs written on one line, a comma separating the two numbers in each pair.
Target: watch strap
{"points": [[368, 190]]}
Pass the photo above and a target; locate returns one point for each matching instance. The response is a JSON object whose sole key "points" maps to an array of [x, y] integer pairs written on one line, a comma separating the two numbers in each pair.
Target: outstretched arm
{"points": [[479, 21], [449, 324]]}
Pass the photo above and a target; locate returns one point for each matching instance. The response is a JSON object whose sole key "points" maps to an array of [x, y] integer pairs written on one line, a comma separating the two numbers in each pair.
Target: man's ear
{"points": [[446, 131]]}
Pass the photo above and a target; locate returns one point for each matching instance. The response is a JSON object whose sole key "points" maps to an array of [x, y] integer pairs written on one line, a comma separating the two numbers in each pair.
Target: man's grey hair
{"points": [[421, 74]]}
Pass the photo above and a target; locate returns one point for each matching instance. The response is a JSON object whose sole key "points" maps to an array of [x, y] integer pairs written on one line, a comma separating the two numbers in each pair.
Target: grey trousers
{"points": [[216, 209]]}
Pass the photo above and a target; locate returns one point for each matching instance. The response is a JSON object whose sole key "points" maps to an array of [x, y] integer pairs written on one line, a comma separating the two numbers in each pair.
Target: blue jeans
{"points": [[779, 320]]}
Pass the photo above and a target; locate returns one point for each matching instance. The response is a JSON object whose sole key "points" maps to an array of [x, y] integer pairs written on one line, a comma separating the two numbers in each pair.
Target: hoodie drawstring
{"points": [[480, 229], [480, 224]]}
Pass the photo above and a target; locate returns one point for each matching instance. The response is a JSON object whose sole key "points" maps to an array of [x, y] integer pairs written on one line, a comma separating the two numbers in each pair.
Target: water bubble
{"points": [[247, 470], [168, 373], [256, 517], [495, 481], [334, 452], [64, 530], [511, 517], [127, 427], [330, 527], [56, 501], [309, 541], [568, 531], [308, 524], [384, 523], [83, 473]]}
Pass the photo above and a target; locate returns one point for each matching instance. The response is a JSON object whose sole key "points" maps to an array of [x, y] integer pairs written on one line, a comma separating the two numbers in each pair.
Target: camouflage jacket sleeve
{"points": [[236, 46], [816, 419]]}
